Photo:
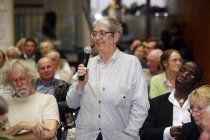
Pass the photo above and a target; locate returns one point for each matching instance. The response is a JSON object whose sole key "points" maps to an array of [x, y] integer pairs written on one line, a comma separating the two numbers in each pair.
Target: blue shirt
{"points": [[45, 88]]}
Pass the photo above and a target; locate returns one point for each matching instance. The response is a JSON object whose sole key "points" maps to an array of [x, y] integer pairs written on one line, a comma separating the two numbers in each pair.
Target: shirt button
{"points": [[99, 116], [99, 128], [99, 101], [103, 89]]}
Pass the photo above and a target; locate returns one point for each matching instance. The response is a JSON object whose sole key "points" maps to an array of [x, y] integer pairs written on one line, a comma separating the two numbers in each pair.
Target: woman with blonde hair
{"points": [[199, 99]]}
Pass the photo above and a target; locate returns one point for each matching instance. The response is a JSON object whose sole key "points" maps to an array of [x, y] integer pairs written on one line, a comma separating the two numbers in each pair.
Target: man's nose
{"points": [[19, 82], [46, 69]]}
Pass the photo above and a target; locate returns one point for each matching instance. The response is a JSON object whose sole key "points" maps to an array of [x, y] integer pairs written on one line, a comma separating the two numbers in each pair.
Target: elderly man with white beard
{"points": [[31, 115]]}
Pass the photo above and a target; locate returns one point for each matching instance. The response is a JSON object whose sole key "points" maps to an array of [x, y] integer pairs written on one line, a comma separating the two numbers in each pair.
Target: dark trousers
{"points": [[99, 137]]}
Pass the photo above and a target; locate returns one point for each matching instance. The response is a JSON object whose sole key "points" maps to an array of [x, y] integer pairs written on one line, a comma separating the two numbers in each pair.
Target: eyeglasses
{"points": [[20, 79], [176, 60], [197, 110], [186, 73], [100, 33]]}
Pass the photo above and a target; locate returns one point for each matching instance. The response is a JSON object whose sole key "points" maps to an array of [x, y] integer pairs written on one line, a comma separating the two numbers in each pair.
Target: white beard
{"points": [[22, 93]]}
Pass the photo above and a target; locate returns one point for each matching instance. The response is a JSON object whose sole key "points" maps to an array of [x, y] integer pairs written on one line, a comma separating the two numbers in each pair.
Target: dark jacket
{"points": [[159, 117], [190, 131]]}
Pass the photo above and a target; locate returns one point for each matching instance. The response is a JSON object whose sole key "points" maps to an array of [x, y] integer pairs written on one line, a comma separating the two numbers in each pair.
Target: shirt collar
{"points": [[172, 99], [166, 82], [113, 58], [40, 82]]}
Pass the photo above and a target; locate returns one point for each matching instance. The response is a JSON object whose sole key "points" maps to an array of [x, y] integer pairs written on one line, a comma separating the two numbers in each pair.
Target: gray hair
{"points": [[18, 53], [15, 64], [111, 23]]}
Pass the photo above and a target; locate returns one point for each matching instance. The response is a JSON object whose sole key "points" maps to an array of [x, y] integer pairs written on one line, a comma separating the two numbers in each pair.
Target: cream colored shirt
{"points": [[36, 107]]}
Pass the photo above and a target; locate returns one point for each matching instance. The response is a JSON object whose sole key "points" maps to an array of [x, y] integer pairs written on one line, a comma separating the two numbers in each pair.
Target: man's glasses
{"points": [[20, 79], [100, 34], [186, 73]]}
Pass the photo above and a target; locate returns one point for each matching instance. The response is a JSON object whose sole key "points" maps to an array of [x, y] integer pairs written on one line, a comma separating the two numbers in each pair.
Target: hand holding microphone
{"points": [[87, 52]]}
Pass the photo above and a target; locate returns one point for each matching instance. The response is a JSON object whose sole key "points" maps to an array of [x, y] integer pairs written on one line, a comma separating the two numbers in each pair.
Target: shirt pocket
{"points": [[124, 97]]}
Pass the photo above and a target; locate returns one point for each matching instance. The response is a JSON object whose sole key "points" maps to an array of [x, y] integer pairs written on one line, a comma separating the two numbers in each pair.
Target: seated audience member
{"points": [[2, 59], [63, 70], [205, 123], [199, 99], [3, 119], [169, 111], [138, 51], [134, 44], [5, 90], [3, 110], [162, 83], [30, 51], [47, 84], [153, 63], [31, 115], [44, 47], [13, 53], [30, 54], [21, 45]]}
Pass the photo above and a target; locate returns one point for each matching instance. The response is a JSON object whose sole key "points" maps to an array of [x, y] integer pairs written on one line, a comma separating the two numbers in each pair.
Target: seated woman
{"points": [[162, 83], [199, 100]]}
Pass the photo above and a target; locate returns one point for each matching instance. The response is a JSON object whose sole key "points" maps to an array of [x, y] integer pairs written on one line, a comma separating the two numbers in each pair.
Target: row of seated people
{"points": [[46, 83], [165, 118], [29, 50], [170, 112], [159, 109]]}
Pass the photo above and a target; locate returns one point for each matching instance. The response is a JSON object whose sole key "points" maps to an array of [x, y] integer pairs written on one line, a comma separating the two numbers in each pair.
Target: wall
{"points": [[193, 15]]}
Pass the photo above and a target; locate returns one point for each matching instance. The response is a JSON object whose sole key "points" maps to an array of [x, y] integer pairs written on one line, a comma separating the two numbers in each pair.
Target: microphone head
{"points": [[88, 49]]}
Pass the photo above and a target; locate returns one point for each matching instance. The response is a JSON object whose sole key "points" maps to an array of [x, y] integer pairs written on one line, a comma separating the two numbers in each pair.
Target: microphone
{"points": [[87, 52]]}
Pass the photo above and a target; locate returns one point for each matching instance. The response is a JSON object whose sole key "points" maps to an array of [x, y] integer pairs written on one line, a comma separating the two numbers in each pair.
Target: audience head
{"points": [[13, 53], [171, 60], [46, 69], [3, 108], [148, 48], [199, 100], [45, 46], [153, 61], [21, 45], [188, 77], [135, 44], [138, 51], [20, 77], [55, 57], [205, 124], [30, 47], [2, 58]]}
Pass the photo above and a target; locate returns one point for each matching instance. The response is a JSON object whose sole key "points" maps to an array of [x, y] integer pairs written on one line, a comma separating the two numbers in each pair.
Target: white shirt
{"points": [[180, 115]]}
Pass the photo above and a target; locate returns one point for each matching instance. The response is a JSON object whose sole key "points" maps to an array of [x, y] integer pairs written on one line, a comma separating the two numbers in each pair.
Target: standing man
{"points": [[31, 115], [113, 97]]}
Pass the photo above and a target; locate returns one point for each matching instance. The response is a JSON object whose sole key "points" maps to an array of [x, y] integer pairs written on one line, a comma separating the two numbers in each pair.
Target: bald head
{"points": [[54, 56], [153, 61], [46, 69], [45, 47]]}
